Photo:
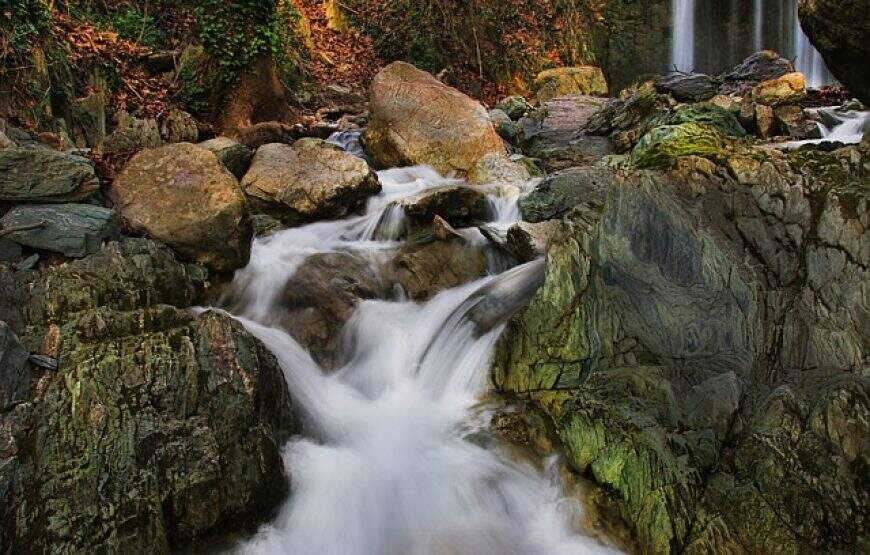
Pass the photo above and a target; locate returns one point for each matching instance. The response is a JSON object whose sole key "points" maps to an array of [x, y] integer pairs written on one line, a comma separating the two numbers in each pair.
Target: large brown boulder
{"points": [[307, 181], [840, 30], [180, 194], [416, 119]]}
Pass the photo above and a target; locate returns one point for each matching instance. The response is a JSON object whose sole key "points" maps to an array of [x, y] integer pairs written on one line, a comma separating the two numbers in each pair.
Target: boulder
{"points": [[5, 142], [565, 81], [158, 429], [235, 156], [179, 127], [310, 180], [74, 230], [458, 205], [322, 294], [760, 66], [416, 119], [764, 121], [663, 144], [708, 114], [687, 87], [514, 106], [792, 121], [180, 194], [628, 118], [43, 175], [424, 270], [788, 89], [839, 30], [132, 134]]}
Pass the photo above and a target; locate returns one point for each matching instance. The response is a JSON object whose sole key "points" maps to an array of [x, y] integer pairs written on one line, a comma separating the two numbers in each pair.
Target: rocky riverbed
{"points": [[693, 337]]}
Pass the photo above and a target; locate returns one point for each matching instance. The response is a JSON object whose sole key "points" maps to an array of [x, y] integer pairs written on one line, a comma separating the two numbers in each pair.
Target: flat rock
{"points": [[74, 230], [44, 175], [688, 87]]}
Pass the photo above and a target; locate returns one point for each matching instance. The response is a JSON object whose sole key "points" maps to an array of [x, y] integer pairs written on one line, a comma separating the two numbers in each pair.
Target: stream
{"points": [[389, 463]]}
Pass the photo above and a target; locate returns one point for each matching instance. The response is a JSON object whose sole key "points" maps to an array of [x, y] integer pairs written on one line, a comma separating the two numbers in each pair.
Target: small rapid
{"points": [[390, 463]]}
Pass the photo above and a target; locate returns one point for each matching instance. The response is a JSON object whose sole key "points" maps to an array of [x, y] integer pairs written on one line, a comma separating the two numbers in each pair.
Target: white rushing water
{"points": [[683, 35], [837, 124], [389, 466], [808, 60]]}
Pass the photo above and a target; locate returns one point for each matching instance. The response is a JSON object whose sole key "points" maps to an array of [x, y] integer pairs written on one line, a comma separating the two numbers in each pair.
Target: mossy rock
{"points": [[709, 114], [660, 146]]}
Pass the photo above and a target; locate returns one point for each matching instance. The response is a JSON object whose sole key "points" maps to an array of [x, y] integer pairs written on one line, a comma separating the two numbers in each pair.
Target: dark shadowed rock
{"points": [[457, 204], [424, 270], [44, 175], [688, 87], [235, 156], [14, 378], [74, 230], [760, 66], [839, 30]]}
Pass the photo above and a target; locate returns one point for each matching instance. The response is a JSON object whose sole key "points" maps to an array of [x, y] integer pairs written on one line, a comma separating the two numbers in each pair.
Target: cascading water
{"points": [[683, 33], [715, 36], [389, 467], [836, 125]]}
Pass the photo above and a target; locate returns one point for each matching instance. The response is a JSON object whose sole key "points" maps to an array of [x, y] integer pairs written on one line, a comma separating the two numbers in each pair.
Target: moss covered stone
{"points": [[660, 146]]}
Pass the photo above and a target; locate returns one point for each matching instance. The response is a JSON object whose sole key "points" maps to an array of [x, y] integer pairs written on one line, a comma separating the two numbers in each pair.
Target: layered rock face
{"points": [[157, 428], [839, 30], [416, 119], [701, 344]]}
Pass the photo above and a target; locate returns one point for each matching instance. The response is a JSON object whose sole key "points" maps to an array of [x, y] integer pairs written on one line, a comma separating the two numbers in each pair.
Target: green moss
{"points": [[660, 146], [22, 21], [709, 114]]}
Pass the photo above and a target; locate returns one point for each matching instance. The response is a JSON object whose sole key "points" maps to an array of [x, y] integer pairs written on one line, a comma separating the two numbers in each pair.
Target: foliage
{"points": [[235, 33], [20, 22]]}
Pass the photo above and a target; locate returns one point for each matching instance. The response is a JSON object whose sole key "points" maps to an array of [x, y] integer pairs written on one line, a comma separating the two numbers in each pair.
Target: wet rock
{"points": [[528, 241], [663, 144], [566, 81], [310, 180], [179, 127], [792, 121], [626, 119], [514, 106], [416, 119], [158, 429], [424, 270], [839, 29], [14, 378], [235, 156], [788, 89], [181, 195], [74, 230], [688, 87], [322, 294], [558, 194], [457, 204], [500, 170], [760, 66], [5, 142], [42, 175]]}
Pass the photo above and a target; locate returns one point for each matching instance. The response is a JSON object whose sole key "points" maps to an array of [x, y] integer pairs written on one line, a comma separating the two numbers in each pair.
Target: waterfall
{"points": [[758, 24], [808, 60], [683, 43], [397, 457]]}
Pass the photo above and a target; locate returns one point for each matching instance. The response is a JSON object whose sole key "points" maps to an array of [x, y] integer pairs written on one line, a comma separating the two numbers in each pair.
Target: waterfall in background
{"points": [[808, 60], [758, 24], [683, 45]]}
